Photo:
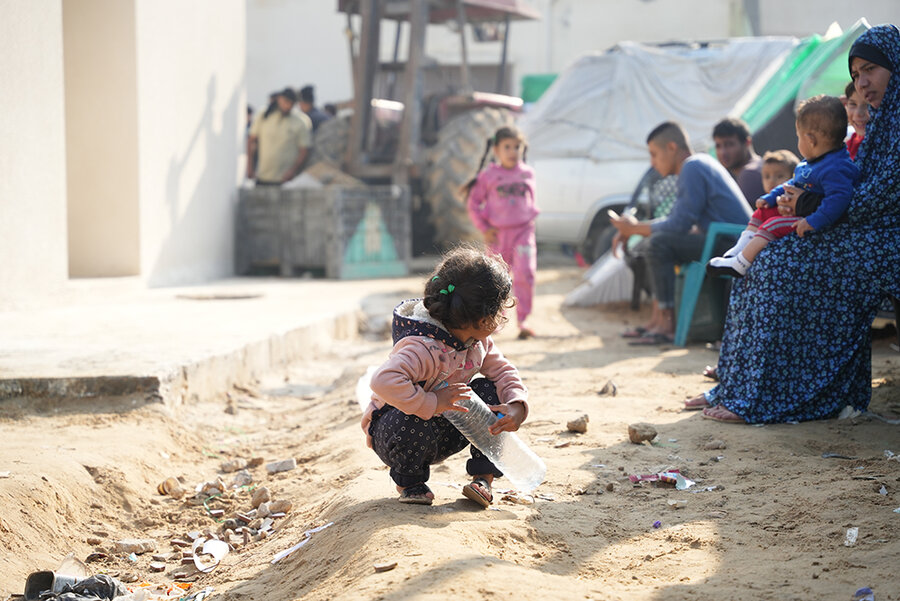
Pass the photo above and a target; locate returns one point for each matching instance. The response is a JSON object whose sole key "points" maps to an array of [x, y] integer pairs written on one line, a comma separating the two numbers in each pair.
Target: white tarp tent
{"points": [[604, 105]]}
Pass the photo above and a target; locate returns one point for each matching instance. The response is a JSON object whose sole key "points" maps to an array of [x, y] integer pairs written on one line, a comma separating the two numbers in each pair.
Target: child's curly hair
{"points": [[467, 288]]}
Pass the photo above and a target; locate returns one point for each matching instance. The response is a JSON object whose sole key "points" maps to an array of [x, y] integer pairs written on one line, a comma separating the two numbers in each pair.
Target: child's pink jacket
{"points": [[426, 355], [503, 198]]}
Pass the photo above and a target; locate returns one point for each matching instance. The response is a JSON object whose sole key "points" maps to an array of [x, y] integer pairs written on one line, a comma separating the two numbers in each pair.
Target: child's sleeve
{"points": [[396, 381], [772, 197], [837, 182], [499, 370], [476, 203]]}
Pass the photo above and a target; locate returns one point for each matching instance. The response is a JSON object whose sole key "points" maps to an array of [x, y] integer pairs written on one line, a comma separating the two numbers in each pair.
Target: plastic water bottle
{"points": [[505, 450]]}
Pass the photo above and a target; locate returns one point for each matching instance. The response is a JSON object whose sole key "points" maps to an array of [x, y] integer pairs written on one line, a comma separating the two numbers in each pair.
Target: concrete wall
{"points": [[101, 137], [32, 154], [191, 103]]}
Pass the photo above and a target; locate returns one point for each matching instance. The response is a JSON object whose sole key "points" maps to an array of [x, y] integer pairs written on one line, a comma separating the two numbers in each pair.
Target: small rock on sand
{"points": [[579, 424], [638, 433], [714, 444]]}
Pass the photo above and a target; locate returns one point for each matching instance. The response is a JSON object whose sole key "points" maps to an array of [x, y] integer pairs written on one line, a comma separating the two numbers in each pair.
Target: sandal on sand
{"points": [[696, 403], [652, 339], [712, 372], [637, 332], [415, 494], [724, 415], [479, 491]]}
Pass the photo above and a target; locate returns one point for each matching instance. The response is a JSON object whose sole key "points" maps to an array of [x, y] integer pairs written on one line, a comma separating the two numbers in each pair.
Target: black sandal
{"points": [[477, 495], [415, 494]]}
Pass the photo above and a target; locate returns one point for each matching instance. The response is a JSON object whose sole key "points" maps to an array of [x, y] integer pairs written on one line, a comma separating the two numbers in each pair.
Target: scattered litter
{"points": [[609, 389], [891, 456], [848, 412], [673, 440], [519, 499], [657, 524], [579, 424], [285, 465], [494, 509], [135, 545], [171, 487], [884, 419], [864, 594], [543, 439], [836, 456], [897, 510], [851, 536], [217, 548], [638, 433], [669, 477], [132, 557], [545, 497], [707, 489], [308, 534], [5, 474], [157, 566], [563, 444], [385, 567], [598, 465], [677, 503], [714, 445], [883, 490]]}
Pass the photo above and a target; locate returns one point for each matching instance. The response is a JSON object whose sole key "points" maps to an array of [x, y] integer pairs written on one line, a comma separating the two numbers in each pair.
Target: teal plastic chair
{"points": [[694, 273]]}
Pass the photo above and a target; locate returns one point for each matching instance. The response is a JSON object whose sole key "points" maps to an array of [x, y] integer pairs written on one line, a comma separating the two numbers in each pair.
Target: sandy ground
{"points": [[773, 529]]}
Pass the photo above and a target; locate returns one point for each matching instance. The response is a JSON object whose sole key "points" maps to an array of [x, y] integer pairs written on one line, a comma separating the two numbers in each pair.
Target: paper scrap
{"points": [[308, 534], [217, 548]]}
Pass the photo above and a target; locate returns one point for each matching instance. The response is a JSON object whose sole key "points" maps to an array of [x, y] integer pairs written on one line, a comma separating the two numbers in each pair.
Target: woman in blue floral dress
{"points": [[797, 336]]}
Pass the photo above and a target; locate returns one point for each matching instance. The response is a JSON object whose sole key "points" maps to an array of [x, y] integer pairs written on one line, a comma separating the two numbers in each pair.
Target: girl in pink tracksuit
{"points": [[501, 203], [441, 342]]}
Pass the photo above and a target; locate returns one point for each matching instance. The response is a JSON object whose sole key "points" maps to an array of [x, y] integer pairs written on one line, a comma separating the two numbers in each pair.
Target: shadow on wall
{"points": [[199, 243]]}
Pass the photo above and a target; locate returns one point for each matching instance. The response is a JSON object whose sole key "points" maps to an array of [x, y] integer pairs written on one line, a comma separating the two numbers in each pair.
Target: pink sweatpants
{"points": [[518, 248]]}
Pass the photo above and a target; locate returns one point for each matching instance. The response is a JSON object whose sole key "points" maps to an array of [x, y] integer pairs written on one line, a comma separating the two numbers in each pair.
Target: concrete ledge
{"points": [[179, 345]]}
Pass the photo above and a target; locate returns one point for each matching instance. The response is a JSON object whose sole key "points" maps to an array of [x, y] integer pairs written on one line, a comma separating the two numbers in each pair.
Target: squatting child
{"points": [[825, 179], [441, 342], [501, 204]]}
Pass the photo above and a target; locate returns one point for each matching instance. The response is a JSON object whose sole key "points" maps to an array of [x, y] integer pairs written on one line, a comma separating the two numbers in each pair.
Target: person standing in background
{"points": [[308, 106], [279, 142]]}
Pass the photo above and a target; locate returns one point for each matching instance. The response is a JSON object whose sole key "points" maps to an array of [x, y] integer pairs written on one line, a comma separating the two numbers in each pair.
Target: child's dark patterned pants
{"points": [[410, 445]]}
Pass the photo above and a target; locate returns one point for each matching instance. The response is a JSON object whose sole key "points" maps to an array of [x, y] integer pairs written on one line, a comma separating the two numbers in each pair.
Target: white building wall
{"points": [[32, 154], [293, 43], [814, 16], [191, 100]]}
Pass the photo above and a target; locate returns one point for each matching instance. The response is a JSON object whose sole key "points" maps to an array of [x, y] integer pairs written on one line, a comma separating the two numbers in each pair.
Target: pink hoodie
{"points": [[418, 363], [503, 198]]}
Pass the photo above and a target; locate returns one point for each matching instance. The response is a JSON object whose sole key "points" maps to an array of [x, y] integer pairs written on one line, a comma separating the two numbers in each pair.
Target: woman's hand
{"points": [[513, 416], [448, 395], [787, 202]]}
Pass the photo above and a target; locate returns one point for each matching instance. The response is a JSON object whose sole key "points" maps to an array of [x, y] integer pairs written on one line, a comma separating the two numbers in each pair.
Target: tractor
{"points": [[412, 121]]}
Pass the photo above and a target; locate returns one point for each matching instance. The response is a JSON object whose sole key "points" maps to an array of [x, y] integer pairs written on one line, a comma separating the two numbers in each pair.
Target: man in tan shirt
{"points": [[279, 142]]}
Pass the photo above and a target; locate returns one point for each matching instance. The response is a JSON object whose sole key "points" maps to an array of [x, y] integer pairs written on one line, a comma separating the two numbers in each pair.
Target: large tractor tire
{"points": [[452, 162], [330, 142]]}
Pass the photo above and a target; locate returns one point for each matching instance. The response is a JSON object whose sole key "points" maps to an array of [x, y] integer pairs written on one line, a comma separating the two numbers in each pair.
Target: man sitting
{"points": [[706, 193], [734, 149]]}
